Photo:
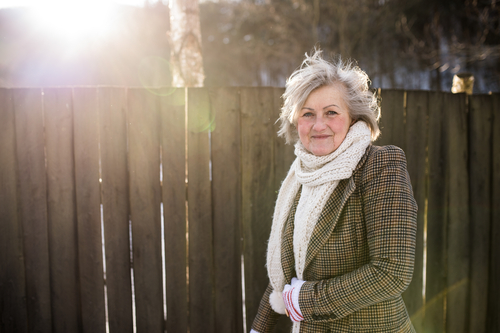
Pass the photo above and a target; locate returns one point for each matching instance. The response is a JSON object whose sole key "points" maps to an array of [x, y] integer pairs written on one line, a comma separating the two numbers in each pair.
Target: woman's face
{"points": [[324, 120]]}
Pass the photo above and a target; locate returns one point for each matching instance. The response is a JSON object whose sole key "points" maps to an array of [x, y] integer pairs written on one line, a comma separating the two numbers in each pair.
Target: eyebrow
{"points": [[323, 108]]}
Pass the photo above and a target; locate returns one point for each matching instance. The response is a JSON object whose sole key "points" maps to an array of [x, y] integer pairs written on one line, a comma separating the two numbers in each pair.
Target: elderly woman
{"points": [[342, 242]]}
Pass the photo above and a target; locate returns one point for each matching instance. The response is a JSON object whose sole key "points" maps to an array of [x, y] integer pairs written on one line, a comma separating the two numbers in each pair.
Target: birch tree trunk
{"points": [[185, 44]]}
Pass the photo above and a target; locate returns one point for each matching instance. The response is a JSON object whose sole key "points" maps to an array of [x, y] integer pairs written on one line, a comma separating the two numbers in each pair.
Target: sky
{"points": [[21, 3]]}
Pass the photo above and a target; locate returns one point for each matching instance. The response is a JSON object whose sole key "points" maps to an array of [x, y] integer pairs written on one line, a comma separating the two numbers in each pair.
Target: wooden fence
{"points": [[91, 176]]}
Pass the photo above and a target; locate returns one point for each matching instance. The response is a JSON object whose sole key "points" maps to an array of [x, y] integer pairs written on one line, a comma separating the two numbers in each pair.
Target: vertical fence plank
{"points": [[12, 279], [61, 209], [112, 106], [283, 153], [201, 265], [458, 223], [416, 154], [144, 173], [258, 190], [88, 199], [33, 206], [283, 159], [226, 189], [392, 121], [493, 321], [480, 158], [173, 141], [436, 217]]}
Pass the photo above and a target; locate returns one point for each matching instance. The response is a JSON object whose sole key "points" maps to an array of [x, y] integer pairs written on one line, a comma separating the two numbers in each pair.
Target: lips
{"points": [[321, 136]]}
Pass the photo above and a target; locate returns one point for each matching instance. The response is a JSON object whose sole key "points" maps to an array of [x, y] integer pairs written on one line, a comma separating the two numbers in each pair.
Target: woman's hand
{"points": [[291, 299]]}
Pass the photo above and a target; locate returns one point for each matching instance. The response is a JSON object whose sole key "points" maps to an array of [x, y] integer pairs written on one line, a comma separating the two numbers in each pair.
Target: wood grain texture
{"points": [[226, 196], [88, 200], [458, 219], [201, 237], [283, 159], [416, 140], [437, 217], [172, 110], [173, 140], [33, 206], [112, 105], [493, 319], [283, 153], [480, 161], [144, 174], [61, 209], [258, 186], [13, 317], [392, 121]]}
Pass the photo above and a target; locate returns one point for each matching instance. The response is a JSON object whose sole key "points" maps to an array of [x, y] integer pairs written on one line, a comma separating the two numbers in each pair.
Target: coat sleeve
{"points": [[390, 217], [266, 318]]}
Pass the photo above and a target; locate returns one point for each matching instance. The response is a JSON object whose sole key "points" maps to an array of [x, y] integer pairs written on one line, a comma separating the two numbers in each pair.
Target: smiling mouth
{"points": [[321, 136]]}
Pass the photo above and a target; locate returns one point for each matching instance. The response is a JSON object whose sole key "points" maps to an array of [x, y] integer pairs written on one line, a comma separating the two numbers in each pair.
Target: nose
{"points": [[319, 124]]}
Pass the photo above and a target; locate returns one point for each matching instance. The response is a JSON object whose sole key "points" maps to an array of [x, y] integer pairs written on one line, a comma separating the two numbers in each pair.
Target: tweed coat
{"points": [[361, 253]]}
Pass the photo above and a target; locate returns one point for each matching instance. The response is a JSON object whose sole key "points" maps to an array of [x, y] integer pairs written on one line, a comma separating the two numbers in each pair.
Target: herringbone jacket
{"points": [[361, 254]]}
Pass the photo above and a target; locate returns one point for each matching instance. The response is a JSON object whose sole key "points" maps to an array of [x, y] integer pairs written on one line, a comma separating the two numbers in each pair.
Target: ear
{"points": [[353, 122]]}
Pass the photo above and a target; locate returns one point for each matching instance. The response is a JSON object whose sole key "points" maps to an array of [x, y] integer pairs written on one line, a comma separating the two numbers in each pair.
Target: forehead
{"points": [[330, 94]]}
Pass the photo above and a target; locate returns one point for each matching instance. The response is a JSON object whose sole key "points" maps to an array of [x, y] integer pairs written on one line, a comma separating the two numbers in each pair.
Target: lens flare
{"points": [[154, 72], [201, 118]]}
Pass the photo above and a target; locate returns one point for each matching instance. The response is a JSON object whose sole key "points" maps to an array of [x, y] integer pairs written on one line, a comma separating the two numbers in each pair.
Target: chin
{"points": [[322, 152]]}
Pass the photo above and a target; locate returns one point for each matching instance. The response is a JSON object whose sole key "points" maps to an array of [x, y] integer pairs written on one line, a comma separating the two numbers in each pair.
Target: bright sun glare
{"points": [[72, 20]]}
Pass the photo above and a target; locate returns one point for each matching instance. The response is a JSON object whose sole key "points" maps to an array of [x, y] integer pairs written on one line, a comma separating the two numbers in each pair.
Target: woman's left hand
{"points": [[291, 299]]}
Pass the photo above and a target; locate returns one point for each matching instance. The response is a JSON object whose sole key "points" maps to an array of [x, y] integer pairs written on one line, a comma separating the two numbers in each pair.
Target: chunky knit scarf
{"points": [[318, 176]]}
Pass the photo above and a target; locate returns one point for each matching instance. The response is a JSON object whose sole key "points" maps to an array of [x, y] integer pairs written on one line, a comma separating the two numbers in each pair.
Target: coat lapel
{"points": [[287, 256], [329, 217]]}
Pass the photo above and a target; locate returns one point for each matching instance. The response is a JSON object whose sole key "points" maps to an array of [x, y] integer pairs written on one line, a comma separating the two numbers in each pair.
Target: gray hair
{"points": [[316, 72]]}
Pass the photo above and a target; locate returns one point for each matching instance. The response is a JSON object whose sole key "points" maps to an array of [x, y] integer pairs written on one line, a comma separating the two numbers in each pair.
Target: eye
{"points": [[331, 113], [308, 114]]}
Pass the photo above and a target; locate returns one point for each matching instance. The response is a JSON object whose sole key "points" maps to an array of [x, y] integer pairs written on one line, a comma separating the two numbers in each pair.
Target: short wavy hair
{"points": [[316, 72]]}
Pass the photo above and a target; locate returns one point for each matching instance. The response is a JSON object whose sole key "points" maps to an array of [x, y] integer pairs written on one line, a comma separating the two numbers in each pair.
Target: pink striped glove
{"points": [[291, 299]]}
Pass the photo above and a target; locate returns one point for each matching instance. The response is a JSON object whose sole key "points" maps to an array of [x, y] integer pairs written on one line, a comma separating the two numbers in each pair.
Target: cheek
{"points": [[302, 128], [339, 126]]}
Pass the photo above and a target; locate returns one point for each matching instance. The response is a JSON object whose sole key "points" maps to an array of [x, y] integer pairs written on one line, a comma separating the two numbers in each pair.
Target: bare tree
{"points": [[185, 44]]}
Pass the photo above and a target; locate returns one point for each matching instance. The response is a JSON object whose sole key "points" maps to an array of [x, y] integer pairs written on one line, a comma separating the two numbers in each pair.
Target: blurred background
{"points": [[407, 44]]}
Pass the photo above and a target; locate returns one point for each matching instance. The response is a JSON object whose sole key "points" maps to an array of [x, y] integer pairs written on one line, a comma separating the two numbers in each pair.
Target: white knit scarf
{"points": [[318, 176]]}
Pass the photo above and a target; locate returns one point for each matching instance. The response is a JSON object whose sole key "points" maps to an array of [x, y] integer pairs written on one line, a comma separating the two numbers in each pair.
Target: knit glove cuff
{"points": [[291, 299]]}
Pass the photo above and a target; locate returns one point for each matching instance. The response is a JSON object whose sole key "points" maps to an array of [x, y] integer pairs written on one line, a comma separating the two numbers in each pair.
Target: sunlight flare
{"points": [[73, 20]]}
